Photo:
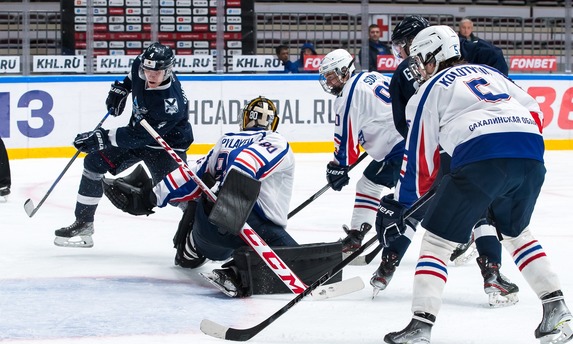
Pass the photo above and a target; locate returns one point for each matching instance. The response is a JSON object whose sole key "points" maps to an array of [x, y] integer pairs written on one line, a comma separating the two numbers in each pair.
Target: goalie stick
{"points": [[213, 329], [29, 205], [267, 254], [347, 286], [323, 190]]}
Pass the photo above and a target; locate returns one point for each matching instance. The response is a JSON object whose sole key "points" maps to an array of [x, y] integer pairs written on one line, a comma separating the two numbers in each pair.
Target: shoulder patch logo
{"points": [[171, 106]]}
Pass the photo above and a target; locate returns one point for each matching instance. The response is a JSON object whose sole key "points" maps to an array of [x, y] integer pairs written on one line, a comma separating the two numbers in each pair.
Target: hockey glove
{"points": [[116, 98], [337, 176], [390, 224], [92, 141], [133, 193]]}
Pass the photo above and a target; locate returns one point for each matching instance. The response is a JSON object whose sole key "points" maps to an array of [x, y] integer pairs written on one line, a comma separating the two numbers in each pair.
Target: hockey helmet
{"points": [[434, 44], [335, 69], [259, 113], [405, 31], [157, 57]]}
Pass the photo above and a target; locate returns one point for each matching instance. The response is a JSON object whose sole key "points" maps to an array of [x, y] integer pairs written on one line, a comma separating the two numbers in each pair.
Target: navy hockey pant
{"points": [[116, 160], [220, 246], [506, 188]]}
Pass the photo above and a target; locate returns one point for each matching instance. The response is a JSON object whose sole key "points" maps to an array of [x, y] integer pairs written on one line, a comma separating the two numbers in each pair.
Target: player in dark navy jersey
{"points": [[159, 99]]}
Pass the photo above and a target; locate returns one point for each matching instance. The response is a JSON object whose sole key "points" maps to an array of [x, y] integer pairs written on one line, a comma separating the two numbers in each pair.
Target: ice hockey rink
{"points": [[126, 289]]}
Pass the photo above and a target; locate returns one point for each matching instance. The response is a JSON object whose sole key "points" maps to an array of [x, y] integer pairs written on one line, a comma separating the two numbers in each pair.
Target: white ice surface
{"points": [[126, 289]]}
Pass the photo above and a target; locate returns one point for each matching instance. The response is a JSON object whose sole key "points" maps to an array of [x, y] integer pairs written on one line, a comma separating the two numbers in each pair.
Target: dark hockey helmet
{"points": [[260, 113], [157, 57], [405, 31]]}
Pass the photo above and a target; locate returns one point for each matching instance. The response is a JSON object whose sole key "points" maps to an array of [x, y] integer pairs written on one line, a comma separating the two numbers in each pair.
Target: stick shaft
{"points": [[323, 190], [34, 210]]}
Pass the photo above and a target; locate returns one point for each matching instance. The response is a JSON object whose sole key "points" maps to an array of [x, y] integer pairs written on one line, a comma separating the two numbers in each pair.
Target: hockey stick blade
{"points": [[29, 207], [219, 331], [367, 258], [344, 287]]}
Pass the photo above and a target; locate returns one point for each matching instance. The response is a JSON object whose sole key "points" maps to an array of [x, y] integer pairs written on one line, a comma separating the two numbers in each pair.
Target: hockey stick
{"points": [[323, 190], [29, 205], [267, 254], [219, 331], [367, 258]]}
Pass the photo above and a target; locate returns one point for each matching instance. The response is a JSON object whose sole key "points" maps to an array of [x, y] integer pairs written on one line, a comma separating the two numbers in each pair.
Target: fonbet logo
{"points": [[533, 63], [387, 62], [312, 62]]}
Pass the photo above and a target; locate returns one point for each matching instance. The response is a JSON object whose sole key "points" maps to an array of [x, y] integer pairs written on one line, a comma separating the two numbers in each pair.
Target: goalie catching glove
{"points": [[131, 194], [390, 222]]}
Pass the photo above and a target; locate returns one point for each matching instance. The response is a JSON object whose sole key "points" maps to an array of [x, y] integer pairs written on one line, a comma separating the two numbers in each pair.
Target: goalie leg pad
{"points": [[309, 262], [131, 194], [235, 202]]}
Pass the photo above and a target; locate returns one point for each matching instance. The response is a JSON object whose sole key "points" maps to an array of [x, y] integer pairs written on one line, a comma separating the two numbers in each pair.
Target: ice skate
{"points": [[225, 280], [187, 256], [353, 240], [383, 275], [4, 192], [500, 290], [418, 331], [78, 234], [464, 252], [555, 327]]}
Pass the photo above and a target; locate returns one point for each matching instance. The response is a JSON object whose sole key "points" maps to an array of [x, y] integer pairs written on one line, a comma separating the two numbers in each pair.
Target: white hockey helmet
{"points": [[335, 69], [259, 113], [434, 44]]}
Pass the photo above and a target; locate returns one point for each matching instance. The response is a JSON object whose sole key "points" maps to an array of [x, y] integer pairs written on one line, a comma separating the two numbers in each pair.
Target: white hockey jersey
{"points": [[364, 117], [474, 113], [262, 154]]}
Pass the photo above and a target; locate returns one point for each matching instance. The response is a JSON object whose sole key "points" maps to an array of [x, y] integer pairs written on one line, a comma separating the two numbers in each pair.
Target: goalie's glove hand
{"points": [[116, 98], [92, 141], [390, 223], [337, 176], [137, 199]]}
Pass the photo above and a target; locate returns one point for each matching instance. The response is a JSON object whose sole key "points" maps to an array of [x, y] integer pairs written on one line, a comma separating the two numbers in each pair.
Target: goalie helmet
{"points": [[335, 69], [260, 113], [405, 31], [432, 45], [157, 57]]}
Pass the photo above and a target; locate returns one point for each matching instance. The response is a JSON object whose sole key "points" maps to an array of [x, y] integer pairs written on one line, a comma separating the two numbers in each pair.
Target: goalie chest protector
{"points": [[309, 262]]}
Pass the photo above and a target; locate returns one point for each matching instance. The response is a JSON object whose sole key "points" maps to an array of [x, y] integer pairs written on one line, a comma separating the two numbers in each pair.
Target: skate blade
{"points": [[468, 255], [564, 334], [84, 241], [496, 300], [211, 279], [375, 292]]}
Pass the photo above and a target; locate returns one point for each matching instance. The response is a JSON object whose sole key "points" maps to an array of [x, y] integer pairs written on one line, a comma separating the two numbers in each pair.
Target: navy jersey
{"points": [[165, 108], [402, 84]]}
